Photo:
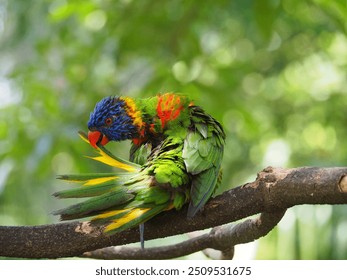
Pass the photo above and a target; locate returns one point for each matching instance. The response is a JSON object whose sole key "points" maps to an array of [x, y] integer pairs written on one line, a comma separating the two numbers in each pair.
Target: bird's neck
{"points": [[140, 112], [154, 115]]}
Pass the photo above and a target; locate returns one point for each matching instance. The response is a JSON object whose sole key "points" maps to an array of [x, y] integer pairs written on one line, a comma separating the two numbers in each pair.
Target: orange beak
{"points": [[96, 137]]}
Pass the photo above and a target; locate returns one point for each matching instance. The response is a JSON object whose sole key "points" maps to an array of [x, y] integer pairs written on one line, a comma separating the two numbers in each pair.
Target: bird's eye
{"points": [[108, 121]]}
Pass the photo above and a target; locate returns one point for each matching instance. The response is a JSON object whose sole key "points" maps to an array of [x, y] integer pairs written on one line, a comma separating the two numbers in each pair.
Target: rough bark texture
{"points": [[273, 191], [221, 238]]}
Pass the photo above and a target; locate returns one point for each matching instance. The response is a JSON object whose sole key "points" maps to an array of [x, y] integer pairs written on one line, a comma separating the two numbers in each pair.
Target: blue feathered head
{"points": [[110, 121]]}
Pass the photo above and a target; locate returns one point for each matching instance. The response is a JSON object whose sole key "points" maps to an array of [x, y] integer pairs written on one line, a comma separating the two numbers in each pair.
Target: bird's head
{"points": [[112, 120]]}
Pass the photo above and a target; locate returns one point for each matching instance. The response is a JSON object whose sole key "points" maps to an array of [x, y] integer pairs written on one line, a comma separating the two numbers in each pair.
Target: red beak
{"points": [[96, 137]]}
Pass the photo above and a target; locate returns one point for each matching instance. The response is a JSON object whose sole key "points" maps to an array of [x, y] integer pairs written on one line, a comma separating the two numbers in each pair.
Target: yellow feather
{"points": [[109, 214], [83, 136], [96, 181], [106, 159], [129, 217]]}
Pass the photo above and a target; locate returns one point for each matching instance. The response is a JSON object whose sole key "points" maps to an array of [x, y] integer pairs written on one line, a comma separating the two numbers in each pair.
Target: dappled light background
{"points": [[273, 72]]}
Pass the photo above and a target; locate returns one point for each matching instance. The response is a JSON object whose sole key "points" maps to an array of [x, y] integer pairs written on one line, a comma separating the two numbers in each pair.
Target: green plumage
{"points": [[177, 153], [202, 153]]}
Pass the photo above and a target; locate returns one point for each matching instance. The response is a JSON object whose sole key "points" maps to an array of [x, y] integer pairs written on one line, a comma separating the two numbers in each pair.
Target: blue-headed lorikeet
{"points": [[175, 159]]}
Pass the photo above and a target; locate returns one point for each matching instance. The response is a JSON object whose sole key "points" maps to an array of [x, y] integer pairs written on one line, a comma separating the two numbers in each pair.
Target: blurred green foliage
{"points": [[274, 72]]}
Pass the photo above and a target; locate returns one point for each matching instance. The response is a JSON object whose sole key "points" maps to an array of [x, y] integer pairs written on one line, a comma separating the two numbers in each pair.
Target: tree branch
{"points": [[222, 238], [273, 190]]}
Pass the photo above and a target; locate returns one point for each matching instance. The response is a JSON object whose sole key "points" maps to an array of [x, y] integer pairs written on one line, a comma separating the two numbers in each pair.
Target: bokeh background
{"points": [[273, 72]]}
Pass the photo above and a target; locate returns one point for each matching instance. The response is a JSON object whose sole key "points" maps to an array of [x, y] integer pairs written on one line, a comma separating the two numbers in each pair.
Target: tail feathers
{"points": [[119, 200], [93, 184], [87, 179], [85, 192], [94, 205], [119, 220]]}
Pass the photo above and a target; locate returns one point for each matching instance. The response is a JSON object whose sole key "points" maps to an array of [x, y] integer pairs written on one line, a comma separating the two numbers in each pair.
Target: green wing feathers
{"points": [[125, 199], [203, 153]]}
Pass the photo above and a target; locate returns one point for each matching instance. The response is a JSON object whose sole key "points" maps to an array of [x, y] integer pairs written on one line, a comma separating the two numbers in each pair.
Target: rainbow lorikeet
{"points": [[175, 159]]}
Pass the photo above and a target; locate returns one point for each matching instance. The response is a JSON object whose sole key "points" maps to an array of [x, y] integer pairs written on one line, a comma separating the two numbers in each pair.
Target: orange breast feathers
{"points": [[169, 108]]}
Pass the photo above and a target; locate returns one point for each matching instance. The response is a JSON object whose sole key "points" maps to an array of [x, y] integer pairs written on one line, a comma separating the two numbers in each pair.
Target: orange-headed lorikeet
{"points": [[175, 159]]}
